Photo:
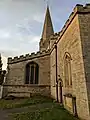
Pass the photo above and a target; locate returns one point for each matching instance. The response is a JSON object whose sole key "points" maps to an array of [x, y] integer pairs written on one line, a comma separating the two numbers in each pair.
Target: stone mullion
{"points": [[34, 74], [30, 75]]}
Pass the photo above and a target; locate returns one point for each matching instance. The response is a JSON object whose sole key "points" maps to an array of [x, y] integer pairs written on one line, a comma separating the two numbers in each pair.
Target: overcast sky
{"points": [[21, 23]]}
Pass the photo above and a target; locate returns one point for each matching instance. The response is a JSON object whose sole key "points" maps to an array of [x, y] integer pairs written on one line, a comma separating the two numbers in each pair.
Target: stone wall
{"points": [[16, 71], [53, 74], [28, 90], [70, 41], [84, 20]]}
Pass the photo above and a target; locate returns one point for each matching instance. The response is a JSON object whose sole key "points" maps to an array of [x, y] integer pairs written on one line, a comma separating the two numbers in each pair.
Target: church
{"points": [[61, 67]]}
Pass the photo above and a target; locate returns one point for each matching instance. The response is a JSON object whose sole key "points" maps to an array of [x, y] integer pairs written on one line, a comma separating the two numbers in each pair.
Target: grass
{"points": [[17, 103], [54, 113]]}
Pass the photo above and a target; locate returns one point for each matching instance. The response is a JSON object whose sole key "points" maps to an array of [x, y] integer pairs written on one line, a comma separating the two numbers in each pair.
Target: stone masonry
{"points": [[16, 73], [74, 40]]}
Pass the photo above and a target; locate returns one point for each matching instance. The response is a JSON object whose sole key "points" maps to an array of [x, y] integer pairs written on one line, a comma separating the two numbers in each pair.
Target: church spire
{"points": [[48, 27]]}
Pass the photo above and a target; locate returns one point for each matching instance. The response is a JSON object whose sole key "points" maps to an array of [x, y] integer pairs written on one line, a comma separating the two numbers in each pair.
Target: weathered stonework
{"points": [[28, 90], [16, 72], [74, 39], [84, 20]]}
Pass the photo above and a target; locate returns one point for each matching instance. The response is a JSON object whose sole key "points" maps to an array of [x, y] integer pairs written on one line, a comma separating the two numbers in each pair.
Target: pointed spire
{"points": [[48, 27]]}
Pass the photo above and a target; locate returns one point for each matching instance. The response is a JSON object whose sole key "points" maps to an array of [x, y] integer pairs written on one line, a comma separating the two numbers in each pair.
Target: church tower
{"points": [[47, 31]]}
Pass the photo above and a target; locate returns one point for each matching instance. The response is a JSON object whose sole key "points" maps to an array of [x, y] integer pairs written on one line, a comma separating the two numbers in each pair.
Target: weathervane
{"points": [[47, 2]]}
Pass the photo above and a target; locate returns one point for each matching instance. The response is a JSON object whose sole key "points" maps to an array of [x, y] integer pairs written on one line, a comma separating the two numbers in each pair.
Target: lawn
{"points": [[55, 113], [22, 102], [52, 112]]}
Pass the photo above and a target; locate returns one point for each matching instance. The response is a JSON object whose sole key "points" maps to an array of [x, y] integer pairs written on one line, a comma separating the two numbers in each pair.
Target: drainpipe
{"points": [[56, 72]]}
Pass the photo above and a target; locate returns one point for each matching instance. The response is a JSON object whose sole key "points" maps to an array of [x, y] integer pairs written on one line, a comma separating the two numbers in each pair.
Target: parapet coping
{"points": [[33, 55], [77, 10]]}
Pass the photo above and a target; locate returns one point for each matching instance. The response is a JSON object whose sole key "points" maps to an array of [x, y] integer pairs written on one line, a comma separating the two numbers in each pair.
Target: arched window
{"points": [[67, 70], [32, 73]]}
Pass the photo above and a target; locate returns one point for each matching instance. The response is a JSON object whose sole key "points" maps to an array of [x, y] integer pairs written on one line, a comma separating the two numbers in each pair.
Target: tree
{"points": [[2, 72]]}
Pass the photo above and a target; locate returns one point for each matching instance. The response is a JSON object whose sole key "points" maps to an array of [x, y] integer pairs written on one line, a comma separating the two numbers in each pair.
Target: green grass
{"points": [[54, 113], [17, 103]]}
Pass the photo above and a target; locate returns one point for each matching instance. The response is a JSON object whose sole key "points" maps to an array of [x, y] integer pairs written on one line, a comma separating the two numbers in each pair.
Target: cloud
{"points": [[35, 39], [4, 34], [38, 18], [17, 45]]}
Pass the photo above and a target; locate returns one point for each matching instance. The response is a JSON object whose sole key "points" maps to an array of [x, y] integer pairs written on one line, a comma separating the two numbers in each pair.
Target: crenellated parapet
{"points": [[54, 36], [28, 56], [82, 8], [77, 10]]}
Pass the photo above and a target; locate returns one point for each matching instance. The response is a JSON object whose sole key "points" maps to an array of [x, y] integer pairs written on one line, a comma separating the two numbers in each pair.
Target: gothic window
{"points": [[32, 73], [67, 70]]}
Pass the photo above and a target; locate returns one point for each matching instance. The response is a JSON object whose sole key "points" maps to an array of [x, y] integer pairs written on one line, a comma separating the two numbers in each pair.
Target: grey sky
{"points": [[21, 23]]}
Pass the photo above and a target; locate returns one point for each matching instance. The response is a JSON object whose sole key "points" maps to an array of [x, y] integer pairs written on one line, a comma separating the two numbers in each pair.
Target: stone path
{"points": [[5, 113]]}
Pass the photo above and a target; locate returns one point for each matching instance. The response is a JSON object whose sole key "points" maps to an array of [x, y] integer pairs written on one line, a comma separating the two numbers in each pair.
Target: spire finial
{"points": [[47, 2]]}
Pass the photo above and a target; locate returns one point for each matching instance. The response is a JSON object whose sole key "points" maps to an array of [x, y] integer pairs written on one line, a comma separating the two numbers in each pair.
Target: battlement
{"points": [[78, 9], [27, 56], [54, 36], [82, 8]]}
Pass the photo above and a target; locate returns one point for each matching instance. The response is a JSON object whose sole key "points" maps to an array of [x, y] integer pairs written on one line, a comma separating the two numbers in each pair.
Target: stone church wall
{"points": [[70, 41], [16, 74], [53, 73], [27, 90], [84, 20]]}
